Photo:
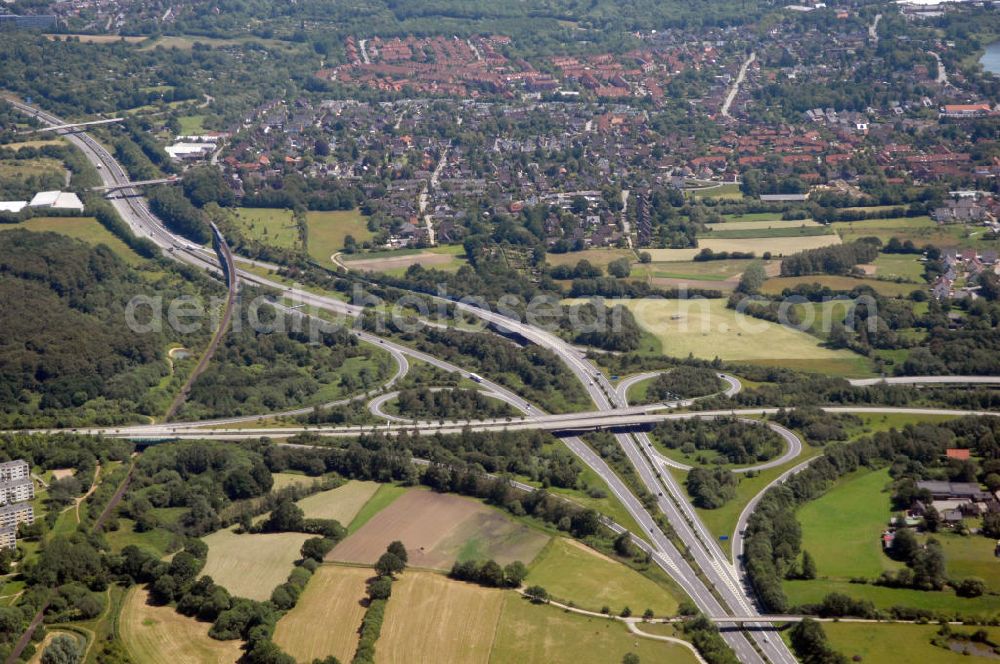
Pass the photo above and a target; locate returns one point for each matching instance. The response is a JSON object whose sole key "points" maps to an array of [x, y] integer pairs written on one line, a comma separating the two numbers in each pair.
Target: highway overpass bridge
{"points": [[135, 184], [568, 424], [67, 127]]}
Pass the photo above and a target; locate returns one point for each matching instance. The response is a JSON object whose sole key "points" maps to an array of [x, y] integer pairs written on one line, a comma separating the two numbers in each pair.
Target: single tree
{"points": [[514, 573], [397, 549], [389, 564], [808, 566], [537, 594]]}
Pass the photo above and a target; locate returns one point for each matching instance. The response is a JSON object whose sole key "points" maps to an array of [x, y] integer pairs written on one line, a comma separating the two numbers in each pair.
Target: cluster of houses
{"points": [[430, 65], [963, 266], [420, 187], [469, 68], [969, 207], [17, 489], [523, 166]]}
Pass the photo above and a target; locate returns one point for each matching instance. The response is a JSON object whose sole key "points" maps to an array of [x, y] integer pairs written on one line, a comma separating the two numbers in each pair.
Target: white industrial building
{"points": [[13, 206], [57, 200], [182, 151]]}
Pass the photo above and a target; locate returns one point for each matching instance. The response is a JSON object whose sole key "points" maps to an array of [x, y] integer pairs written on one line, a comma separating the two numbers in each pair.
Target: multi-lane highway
{"points": [[625, 419], [703, 571]]}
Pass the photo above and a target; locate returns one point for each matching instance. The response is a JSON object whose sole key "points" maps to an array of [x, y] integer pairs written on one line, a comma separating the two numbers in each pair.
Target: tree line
{"points": [[835, 259]]}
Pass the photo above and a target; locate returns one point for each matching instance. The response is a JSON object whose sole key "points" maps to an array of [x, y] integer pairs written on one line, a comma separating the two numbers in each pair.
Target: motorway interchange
{"points": [[715, 582]]}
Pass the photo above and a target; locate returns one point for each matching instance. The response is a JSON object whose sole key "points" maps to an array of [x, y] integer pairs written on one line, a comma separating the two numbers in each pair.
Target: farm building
{"points": [[954, 490]]}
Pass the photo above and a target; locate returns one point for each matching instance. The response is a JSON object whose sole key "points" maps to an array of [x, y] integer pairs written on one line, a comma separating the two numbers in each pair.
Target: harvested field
{"points": [[839, 283], [326, 619], [342, 503], [425, 258], [41, 143], [778, 246], [433, 619], [439, 529], [598, 257], [672, 255], [251, 565], [159, 635], [757, 224]]}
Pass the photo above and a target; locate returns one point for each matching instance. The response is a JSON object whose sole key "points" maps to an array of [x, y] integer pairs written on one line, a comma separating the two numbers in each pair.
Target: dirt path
{"points": [[92, 489]]}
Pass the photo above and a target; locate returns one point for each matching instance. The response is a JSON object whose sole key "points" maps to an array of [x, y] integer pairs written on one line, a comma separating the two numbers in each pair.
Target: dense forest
{"points": [[735, 441], [67, 354], [683, 382], [835, 259]]}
